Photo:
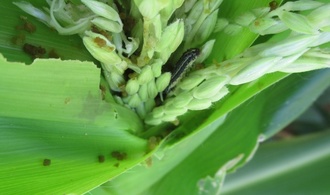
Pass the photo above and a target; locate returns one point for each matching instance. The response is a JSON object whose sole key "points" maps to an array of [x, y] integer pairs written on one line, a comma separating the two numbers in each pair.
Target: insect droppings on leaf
{"points": [[116, 165], [153, 143], [18, 39], [26, 26], [29, 27], [46, 162], [103, 91], [115, 113], [148, 162], [34, 51], [101, 158], [119, 155], [273, 5], [67, 100], [53, 54]]}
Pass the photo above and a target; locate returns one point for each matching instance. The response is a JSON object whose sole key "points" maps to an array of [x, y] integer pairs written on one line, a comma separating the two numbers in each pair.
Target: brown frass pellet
{"points": [[119, 155], [46, 162], [101, 158], [34, 51], [116, 165]]}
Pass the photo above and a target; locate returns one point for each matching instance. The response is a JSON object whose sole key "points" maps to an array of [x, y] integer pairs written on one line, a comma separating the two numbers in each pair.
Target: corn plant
{"points": [[150, 96]]}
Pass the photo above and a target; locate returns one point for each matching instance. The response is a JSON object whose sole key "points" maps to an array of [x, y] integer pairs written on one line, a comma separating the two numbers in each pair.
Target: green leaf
{"points": [[55, 125], [291, 99], [294, 166], [73, 151], [68, 91]]}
